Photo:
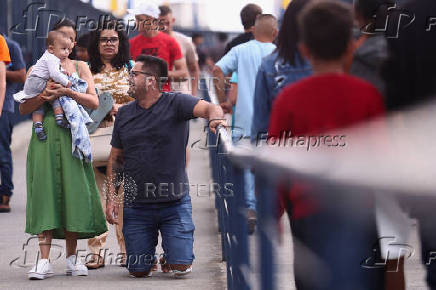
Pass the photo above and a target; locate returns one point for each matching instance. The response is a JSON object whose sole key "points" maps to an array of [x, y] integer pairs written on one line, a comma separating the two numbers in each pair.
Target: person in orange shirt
{"points": [[4, 60]]}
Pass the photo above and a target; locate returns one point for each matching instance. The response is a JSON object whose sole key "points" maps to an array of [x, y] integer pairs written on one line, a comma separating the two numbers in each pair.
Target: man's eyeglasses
{"points": [[133, 73], [108, 39]]}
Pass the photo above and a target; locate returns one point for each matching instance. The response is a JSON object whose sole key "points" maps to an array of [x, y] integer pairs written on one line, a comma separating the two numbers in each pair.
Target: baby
{"points": [[48, 67]]}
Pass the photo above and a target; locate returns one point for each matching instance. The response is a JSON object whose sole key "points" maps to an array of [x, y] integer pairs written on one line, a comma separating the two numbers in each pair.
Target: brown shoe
{"points": [[4, 206], [251, 221], [95, 263], [164, 266]]}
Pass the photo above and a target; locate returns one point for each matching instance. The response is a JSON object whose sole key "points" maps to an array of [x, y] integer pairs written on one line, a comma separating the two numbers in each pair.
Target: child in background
{"points": [[336, 225]]}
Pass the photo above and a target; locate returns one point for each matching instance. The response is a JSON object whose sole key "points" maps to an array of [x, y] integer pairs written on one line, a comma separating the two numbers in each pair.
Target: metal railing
{"points": [[228, 173]]}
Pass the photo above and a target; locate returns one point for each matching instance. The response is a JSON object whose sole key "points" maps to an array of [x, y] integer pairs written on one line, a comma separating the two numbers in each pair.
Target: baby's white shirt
{"points": [[48, 66]]}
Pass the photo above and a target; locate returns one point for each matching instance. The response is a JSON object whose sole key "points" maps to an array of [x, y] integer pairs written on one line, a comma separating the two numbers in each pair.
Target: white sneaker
{"points": [[178, 273], [75, 267], [41, 270]]}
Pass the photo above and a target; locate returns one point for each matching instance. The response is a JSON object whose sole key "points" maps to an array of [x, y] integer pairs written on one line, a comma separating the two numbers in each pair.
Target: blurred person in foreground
{"points": [[245, 60], [410, 76], [152, 41], [333, 228], [368, 58], [148, 143], [15, 76], [188, 50], [286, 65]]}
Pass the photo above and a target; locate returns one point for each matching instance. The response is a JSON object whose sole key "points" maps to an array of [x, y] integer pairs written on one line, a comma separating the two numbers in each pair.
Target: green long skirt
{"points": [[61, 191]]}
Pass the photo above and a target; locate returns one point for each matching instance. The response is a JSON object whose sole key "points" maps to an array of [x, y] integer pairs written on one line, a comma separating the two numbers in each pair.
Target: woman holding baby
{"points": [[63, 201]]}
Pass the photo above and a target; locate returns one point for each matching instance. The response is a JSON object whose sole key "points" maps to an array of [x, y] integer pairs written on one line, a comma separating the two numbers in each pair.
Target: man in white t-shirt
{"points": [[188, 50]]}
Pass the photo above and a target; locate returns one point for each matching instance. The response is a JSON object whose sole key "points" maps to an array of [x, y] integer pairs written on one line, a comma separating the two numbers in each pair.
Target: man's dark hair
{"points": [[326, 28], [165, 10], [83, 40], [249, 14], [196, 35], [222, 36], [123, 56], [155, 66], [288, 37]]}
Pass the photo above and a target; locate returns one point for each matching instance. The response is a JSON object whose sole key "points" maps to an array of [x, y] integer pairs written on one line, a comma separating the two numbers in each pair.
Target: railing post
{"points": [[239, 232], [231, 210], [267, 225]]}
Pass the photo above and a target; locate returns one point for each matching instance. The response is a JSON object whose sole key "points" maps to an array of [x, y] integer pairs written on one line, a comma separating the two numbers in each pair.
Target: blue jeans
{"points": [[249, 193], [336, 247], [6, 125], [142, 224], [250, 197]]}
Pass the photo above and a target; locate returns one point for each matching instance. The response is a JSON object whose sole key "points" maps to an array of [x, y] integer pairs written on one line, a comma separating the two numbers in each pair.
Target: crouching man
{"points": [[149, 144]]}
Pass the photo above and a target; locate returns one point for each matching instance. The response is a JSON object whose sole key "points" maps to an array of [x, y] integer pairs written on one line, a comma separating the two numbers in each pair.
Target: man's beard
{"points": [[132, 92]]}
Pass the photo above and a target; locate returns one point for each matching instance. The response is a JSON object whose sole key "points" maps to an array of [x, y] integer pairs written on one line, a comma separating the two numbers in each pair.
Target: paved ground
{"points": [[208, 270]]}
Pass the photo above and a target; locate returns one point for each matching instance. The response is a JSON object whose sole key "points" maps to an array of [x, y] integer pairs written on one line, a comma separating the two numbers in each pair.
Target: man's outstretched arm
{"points": [[211, 112]]}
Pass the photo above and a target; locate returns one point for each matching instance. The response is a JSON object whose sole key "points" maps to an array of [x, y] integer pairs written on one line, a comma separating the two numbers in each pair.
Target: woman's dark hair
{"points": [[409, 71], [288, 35], [65, 22], [83, 41], [123, 56]]}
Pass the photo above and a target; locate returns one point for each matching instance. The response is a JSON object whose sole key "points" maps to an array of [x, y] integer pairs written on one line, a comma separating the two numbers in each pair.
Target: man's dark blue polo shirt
{"points": [[154, 144]]}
